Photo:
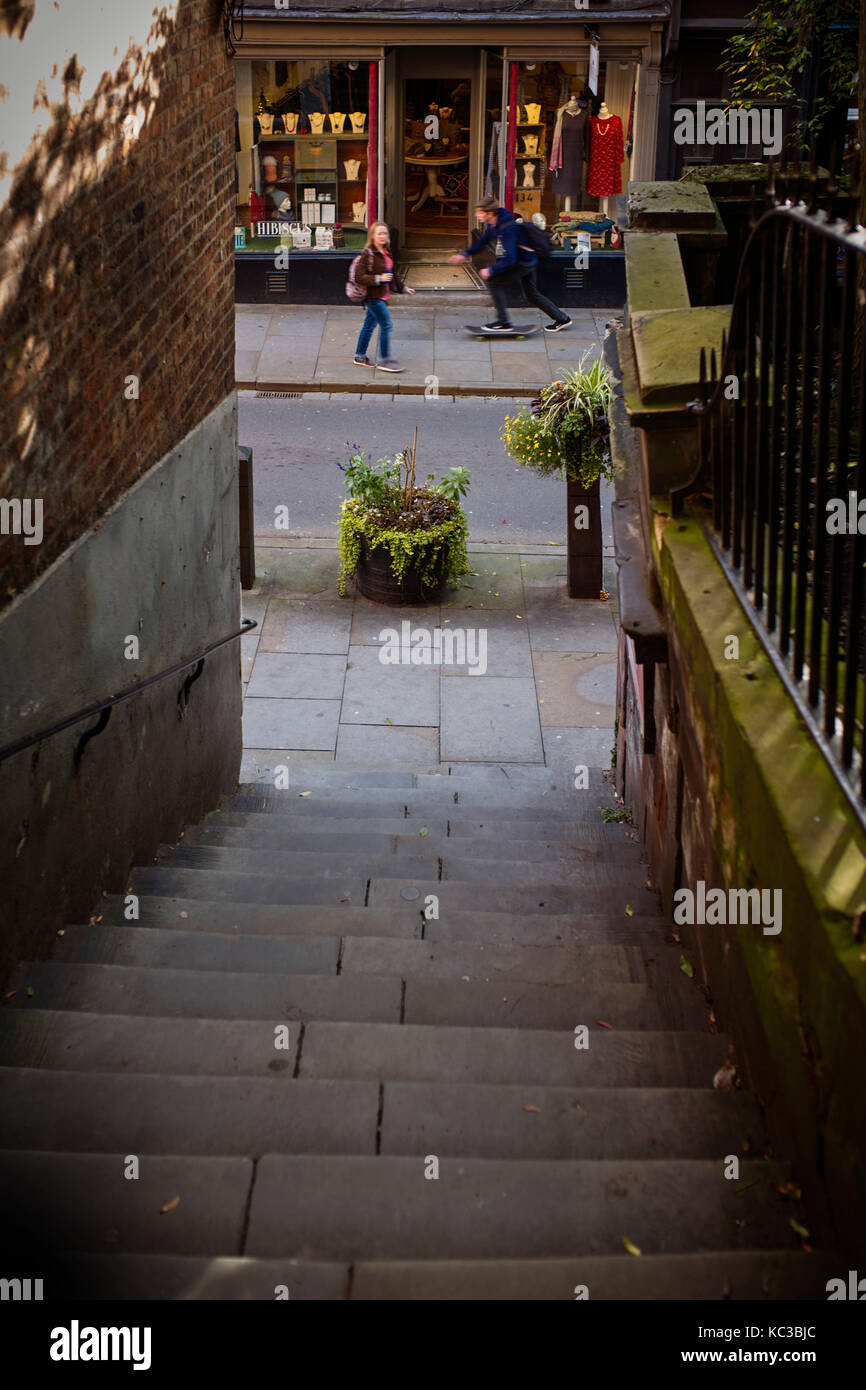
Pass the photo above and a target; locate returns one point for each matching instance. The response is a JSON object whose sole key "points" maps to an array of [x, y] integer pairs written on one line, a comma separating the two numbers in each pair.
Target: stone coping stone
{"points": [[656, 206], [654, 272], [667, 345]]}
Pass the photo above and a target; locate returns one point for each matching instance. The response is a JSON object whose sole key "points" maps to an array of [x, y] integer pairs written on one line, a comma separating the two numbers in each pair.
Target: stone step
{"points": [[736, 1275], [277, 829], [352, 996], [94, 1112], [129, 989], [384, 894], [340, 1208], [580, 867], [81, 1041], [268, 919], [509, 803], [507, 1056], [265, 834], [77, 1112], [157, 948], [82, 1202]]}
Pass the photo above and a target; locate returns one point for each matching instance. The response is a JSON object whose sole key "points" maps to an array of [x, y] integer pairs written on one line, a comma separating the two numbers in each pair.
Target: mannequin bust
{"points": [[266, 121], [317, 122], [358, 119], [530, 144], [603, 113], [290, 120], [359, 211], [533, 112], [572, 106], [338, 120], [352, 168], [529, 176]]}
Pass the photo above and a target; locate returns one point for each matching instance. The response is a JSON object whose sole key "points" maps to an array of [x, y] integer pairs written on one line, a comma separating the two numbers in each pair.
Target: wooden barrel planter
{"points": [[585, 563], [376, 579]]}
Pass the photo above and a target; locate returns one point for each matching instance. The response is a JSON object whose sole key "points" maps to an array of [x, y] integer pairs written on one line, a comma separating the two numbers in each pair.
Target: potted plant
{"points": [[566, 429], [402, 541]]}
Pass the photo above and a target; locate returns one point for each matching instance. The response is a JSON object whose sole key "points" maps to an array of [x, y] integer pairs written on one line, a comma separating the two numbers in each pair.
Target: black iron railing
{"points": [[104, 708], [781, 422]]}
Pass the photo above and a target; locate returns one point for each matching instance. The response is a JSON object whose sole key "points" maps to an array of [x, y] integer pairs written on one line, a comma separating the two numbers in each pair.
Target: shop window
{"points": [[302, 155]]}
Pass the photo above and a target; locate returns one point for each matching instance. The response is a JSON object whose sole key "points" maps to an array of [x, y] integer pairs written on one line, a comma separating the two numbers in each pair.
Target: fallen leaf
{"points": [[387, 721], [687, 968], [603, 593], [630, 1247], [10, 994], [601, 1023], [519, 615], [347, 899], [61, 932], [629, 910], [800, 1230], [725, 1078], [169, 1206], [183, 914], [305, 793], [533, 1109], [423, 830]]}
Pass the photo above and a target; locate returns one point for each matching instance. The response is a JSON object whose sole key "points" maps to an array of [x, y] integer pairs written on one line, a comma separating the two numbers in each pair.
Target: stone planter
{"points": [[376, 579], [585, 563]]}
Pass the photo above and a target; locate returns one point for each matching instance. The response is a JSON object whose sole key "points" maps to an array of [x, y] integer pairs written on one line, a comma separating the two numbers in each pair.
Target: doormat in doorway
{"points": [[424, 276]]}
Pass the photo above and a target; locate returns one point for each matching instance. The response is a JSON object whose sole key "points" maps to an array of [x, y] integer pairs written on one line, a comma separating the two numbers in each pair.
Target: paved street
{"points": [[310, 347], [297, 445]]}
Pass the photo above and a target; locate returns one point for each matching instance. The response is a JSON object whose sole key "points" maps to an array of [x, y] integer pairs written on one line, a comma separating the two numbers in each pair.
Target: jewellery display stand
{"points": [[338, 120]]}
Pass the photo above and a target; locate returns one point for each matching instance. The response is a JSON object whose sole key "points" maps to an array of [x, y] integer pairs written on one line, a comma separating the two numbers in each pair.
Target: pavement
{"points": [[317, 688], [310, 347]]}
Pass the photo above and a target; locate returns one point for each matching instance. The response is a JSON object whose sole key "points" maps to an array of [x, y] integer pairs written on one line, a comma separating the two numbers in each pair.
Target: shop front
{"points": [[415, 129]]}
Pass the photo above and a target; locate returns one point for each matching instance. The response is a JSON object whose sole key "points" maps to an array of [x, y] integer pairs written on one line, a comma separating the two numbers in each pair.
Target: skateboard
{"points": [[526, 331]]}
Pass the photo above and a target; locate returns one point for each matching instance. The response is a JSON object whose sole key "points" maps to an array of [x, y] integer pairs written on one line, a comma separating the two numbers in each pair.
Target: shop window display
{"points": [[302, 153]]}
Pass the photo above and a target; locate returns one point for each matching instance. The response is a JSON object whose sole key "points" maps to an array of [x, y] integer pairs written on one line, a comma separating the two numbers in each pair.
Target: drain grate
{"points": [[278, 395]]}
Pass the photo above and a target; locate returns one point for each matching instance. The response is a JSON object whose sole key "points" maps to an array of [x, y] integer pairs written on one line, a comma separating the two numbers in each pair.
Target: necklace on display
{"points": [[602, 130]]}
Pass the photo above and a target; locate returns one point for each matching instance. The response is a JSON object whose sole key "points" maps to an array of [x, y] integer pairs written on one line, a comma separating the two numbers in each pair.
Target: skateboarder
{"points": [[515, 262]]}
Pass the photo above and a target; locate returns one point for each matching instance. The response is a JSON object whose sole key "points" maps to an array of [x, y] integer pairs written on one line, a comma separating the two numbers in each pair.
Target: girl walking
{"points": [[376, 272]]}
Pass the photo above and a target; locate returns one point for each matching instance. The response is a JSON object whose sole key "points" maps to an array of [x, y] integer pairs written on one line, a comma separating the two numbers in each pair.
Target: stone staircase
{"points": [[289, 1046]]}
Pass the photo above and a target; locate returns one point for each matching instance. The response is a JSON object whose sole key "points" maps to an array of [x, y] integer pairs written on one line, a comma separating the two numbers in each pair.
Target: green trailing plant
{"points": [[566, 428], [419, 525]]}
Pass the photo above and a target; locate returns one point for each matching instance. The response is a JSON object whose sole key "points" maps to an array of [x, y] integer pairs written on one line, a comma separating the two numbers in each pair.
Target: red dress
{"points": [[606, 153]]}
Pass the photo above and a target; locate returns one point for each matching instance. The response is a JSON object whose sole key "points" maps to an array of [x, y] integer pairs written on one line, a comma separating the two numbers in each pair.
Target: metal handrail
{"points": [[776, 451], [104, 708]]}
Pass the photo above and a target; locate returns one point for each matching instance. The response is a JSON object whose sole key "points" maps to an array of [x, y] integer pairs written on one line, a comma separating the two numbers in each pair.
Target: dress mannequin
{"points": [[529, 176], [338, 120], [570, 149], [358, 119], [606, 156]]}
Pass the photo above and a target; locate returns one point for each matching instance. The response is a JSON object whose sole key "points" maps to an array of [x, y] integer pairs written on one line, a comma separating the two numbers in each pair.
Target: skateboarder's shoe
{"points": [[558, 326], [497, 326], [389, 365], [361, 361]]}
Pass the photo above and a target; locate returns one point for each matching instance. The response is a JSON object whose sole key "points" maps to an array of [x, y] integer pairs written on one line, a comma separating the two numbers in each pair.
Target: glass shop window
{"points": [[301, 153]]}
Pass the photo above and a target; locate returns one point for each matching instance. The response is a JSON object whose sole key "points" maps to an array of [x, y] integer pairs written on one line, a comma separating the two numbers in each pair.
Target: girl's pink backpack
{"points": [[357, 293]]}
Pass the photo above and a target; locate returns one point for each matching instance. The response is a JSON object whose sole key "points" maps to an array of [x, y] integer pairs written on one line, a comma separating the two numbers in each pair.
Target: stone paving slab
{"points": [[283, 675], [575, 688], [490, 717], [411, 747], [380, 694], [298, 625], [297, 723]]}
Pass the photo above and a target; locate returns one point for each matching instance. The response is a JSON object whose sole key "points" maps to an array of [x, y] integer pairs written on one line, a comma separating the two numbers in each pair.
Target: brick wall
{"points": [[115, 261]]}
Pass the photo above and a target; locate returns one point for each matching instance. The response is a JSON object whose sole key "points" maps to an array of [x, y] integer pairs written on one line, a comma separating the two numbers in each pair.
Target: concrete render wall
{"points": [[736, 794], [162, 566]]}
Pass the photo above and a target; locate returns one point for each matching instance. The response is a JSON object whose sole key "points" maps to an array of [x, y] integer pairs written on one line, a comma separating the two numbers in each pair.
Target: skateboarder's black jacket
{"points": [[516, 250]]}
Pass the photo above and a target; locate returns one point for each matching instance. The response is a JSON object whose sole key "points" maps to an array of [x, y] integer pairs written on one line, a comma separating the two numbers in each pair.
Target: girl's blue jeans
{"points": [[377, 313]]}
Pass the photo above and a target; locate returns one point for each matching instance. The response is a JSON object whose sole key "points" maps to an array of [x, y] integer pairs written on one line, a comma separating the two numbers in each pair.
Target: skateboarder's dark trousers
{"points": [[526, 275]]}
